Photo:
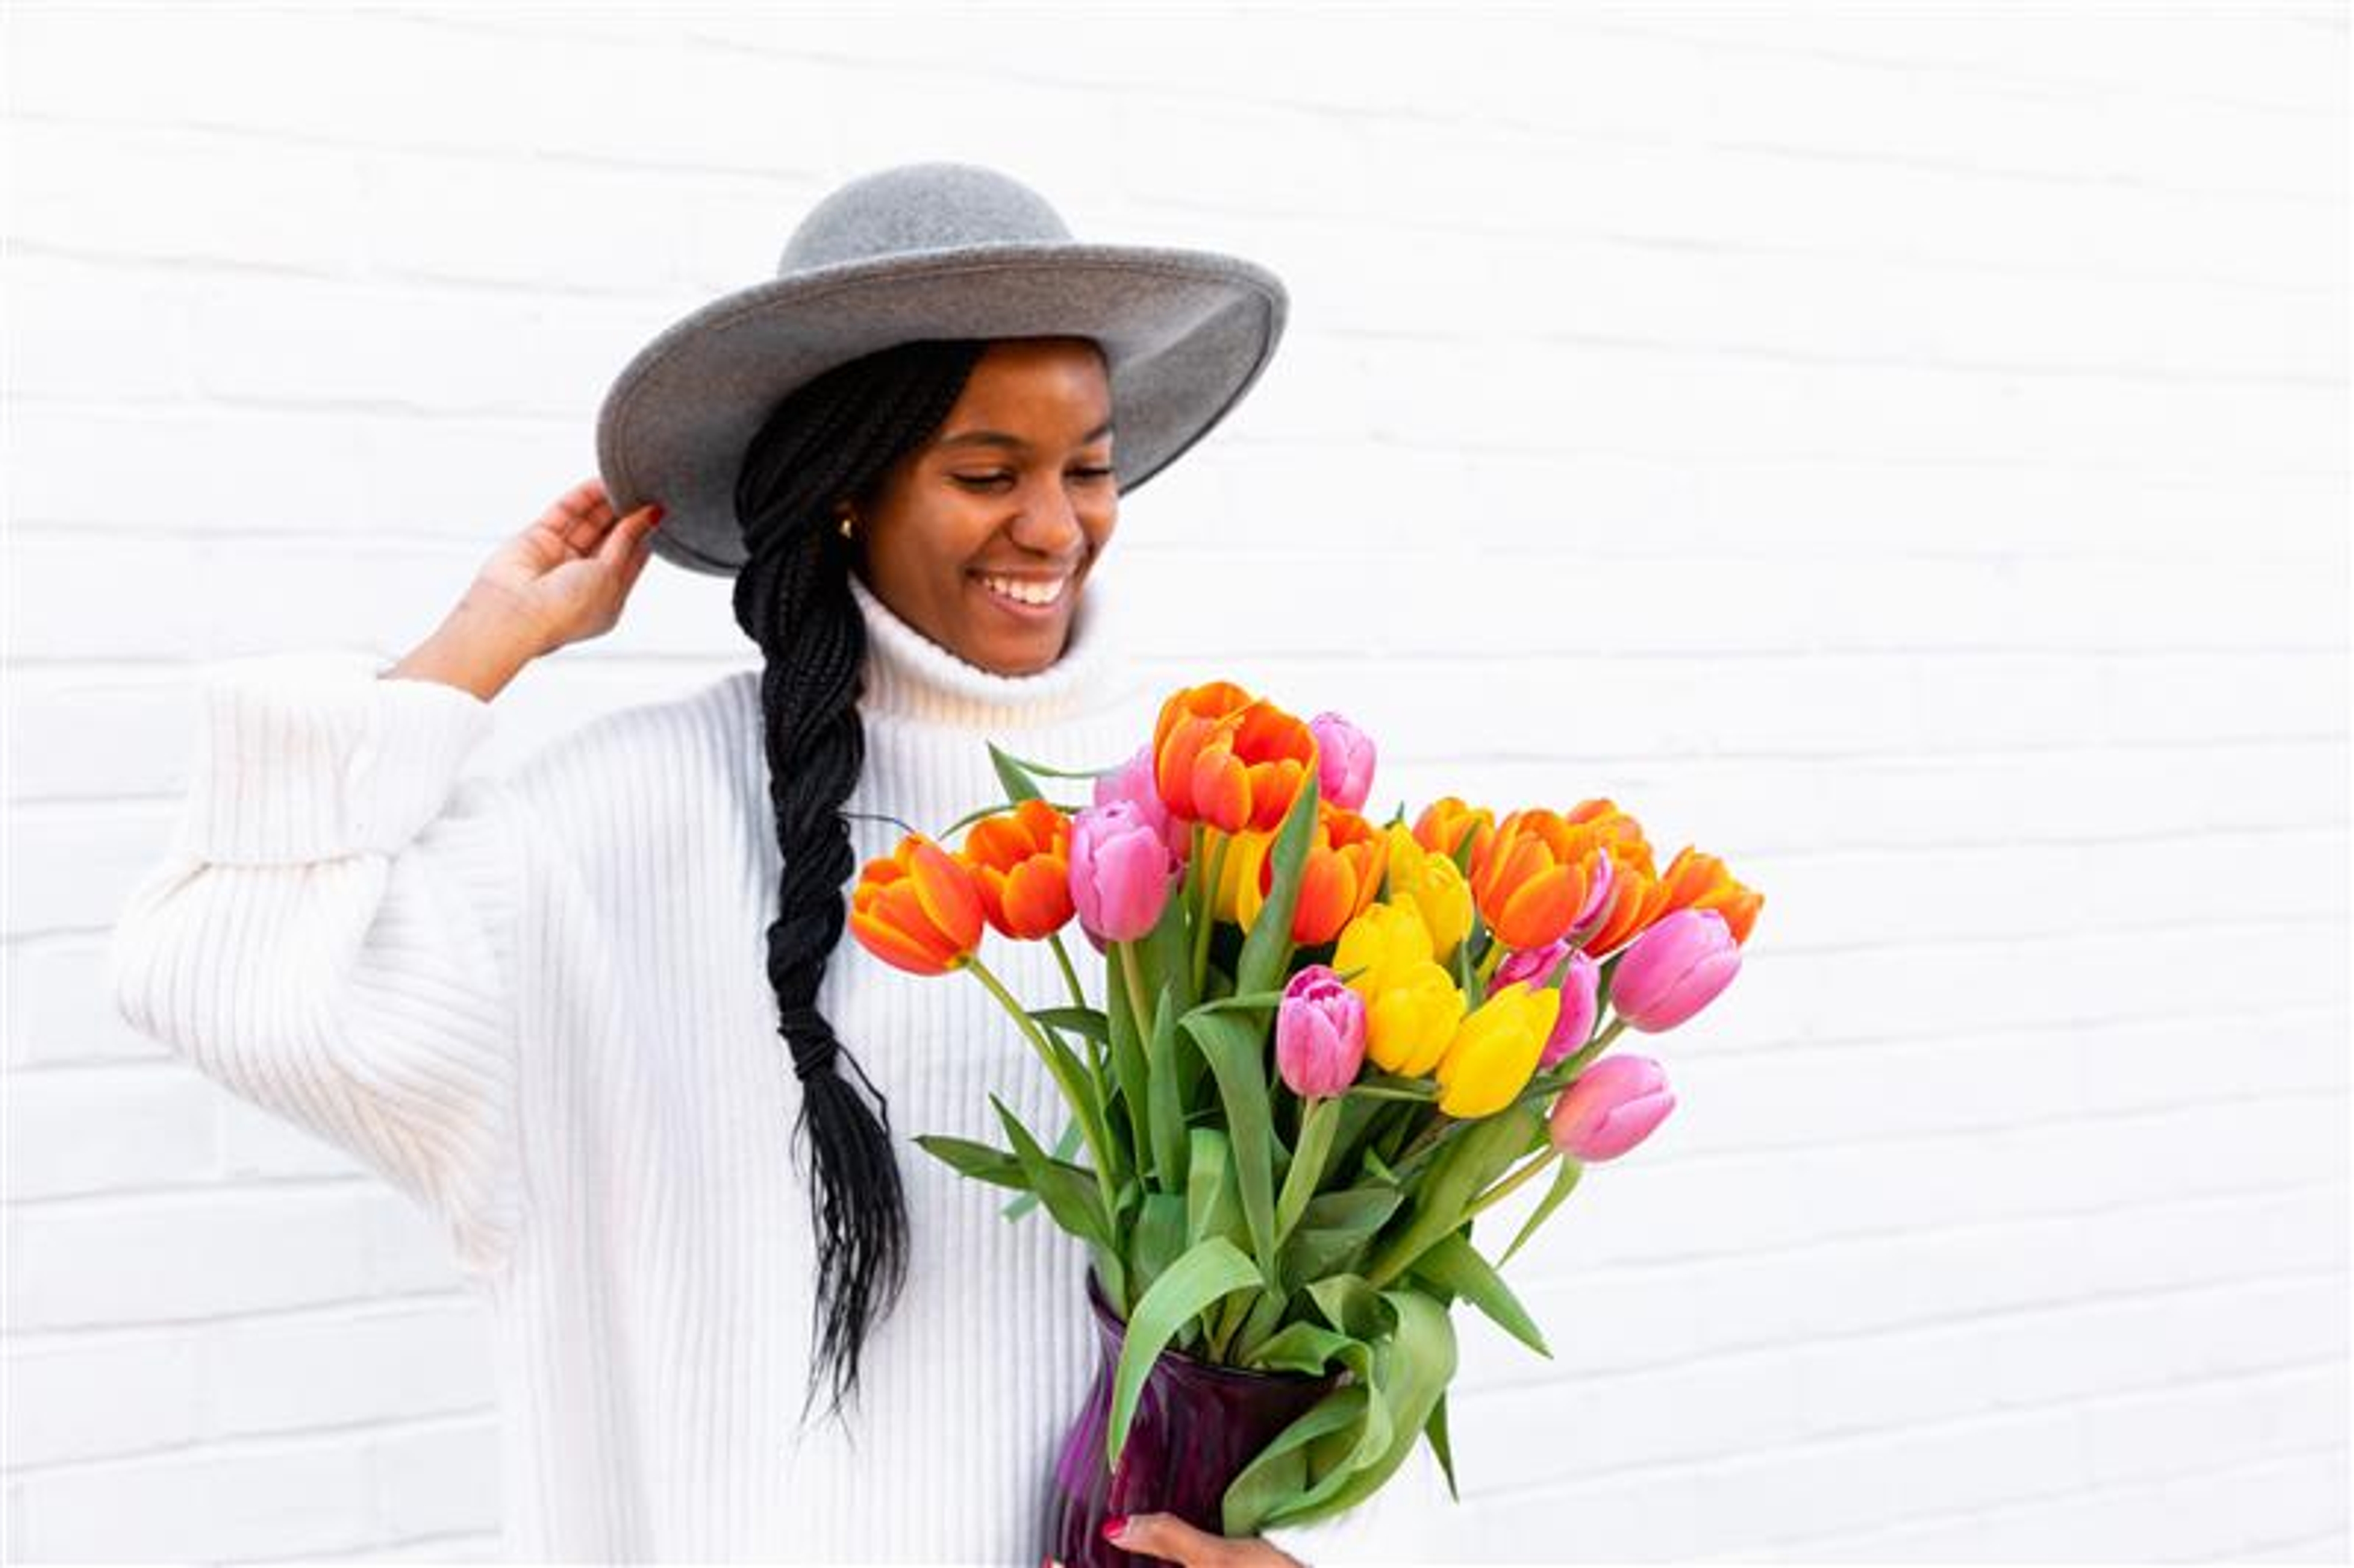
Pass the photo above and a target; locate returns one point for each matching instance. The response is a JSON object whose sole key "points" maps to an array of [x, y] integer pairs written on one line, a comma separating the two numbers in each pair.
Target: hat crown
{"points": [[915, 208]]}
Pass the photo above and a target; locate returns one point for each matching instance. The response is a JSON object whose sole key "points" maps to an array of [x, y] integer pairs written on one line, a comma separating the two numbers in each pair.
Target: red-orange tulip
{"points": [[1337, 879], [1535, 877], [918, 910], [1235, 768], [1021, 863]]}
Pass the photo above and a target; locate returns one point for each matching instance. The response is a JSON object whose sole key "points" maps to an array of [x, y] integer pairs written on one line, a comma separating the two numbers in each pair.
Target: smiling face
{"points": [[1016, 483]]}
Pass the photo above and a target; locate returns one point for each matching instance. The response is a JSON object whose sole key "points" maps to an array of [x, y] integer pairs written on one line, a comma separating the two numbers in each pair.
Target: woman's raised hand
{"points": [[566, 578], [562, 579]]}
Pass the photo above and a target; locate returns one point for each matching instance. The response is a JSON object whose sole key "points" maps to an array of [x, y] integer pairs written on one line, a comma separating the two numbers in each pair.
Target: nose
{"points": [[1049, 524]]}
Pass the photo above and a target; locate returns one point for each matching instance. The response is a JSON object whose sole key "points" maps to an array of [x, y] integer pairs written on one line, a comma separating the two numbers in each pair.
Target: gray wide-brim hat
{"points": [[928, 250]]}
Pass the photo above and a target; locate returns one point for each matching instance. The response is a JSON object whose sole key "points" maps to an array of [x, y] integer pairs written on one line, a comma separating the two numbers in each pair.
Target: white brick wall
{"points": [[1902, 450]]}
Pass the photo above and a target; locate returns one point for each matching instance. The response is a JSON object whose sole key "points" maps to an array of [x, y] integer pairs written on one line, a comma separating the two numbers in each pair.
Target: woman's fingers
{"points": [[623, 548]]}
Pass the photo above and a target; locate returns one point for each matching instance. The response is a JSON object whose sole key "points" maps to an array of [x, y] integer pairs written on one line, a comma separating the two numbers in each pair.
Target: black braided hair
{"points": [[831, 440]]}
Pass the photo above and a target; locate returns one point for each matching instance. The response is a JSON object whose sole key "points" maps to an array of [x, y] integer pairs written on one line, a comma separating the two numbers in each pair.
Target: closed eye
{"points": [[981, 480]]}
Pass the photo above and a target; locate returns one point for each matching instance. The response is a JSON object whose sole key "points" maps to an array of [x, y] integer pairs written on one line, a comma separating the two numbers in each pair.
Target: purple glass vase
{"points": [[1197, 1425]]}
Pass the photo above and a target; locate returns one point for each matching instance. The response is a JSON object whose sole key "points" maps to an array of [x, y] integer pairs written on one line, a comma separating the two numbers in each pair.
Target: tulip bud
{"points": [[1121, 872], [1344, 760], [1610, 1107], [1412, 1018], [1319, 1033], [1673, 969], [1495, 1050]]}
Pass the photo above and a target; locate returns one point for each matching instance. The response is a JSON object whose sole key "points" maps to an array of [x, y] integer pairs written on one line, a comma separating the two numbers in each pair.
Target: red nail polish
{"points": [[1114, 1525]]}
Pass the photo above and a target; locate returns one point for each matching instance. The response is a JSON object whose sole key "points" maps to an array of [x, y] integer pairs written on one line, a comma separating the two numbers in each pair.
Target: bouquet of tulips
{"points": [[1324, 1047]]}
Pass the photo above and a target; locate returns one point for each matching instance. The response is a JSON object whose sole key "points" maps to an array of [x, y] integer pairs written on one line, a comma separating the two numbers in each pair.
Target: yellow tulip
{"points": [[1385, 936], [1435, 885], [1237, 896], [1495, 1050], [1412, 1017]]}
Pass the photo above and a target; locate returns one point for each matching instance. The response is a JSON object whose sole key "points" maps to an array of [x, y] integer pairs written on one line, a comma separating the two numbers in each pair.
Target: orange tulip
{"points": [[1536, 875], [1337, 879], [1443, 824], [1621, 834], [1187, 718], [1021, 863], [1697, 881], [1636, 900], [918, 910], [1233, 766]]}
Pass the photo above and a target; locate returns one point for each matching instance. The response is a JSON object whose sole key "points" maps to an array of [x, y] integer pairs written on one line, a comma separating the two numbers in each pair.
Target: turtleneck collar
{"points": [[909, 675]]}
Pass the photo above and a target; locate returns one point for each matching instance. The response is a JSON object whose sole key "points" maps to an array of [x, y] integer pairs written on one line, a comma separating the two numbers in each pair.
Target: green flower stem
{"points": [[1572, 1065], [1438, 1128], [1071, 1091], [1070, 975], [1138, 1004], [1544, 1158]]}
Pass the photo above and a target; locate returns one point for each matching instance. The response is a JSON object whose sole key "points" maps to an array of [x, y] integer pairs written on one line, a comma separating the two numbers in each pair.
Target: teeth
{"points": [[1027, 593]]}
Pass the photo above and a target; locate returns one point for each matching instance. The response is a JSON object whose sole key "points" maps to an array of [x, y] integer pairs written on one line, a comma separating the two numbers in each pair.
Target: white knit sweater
{"points": [[537, 1004]]}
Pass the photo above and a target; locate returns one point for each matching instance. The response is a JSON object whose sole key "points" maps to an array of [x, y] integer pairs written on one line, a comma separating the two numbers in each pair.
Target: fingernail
{"points": [[1113, 1526], [653, 517]]}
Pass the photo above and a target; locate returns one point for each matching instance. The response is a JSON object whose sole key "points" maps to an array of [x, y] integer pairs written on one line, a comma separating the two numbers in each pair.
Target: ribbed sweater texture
{"points": [[537, 1004]]}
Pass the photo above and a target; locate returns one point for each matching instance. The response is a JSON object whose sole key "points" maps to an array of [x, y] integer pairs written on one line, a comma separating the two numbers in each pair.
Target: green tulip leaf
{"points": [[1453, 1262], [1204, 1275], [1164, 1111], [1064, 1147], [1086, 1021], [1260, 967], [1237, 1060], [1277, 1475], [1565, 1179], [1213, 1205], [1158, 1240], [1019, 784], [977, 1161], [1069, 1193]]}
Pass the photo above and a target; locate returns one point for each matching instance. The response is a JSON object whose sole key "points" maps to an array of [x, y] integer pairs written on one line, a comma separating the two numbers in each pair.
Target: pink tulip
{"points": [[1319, 1033], [1610, 1107], [1122, 870], [1536, 965], [1597, 911], [1674, 968], [1574, 1025], [1133, 782], [1344, 760]]}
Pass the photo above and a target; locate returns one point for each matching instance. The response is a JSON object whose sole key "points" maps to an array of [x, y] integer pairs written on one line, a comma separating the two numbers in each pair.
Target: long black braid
{"points": [[831, 440]]}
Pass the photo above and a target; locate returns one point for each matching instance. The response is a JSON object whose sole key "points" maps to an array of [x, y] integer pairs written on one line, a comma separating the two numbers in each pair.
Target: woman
{"points": [[547, 1005]]}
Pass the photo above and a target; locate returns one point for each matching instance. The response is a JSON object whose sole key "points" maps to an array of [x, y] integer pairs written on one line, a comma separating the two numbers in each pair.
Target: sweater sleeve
{"points": [[332, 934]]}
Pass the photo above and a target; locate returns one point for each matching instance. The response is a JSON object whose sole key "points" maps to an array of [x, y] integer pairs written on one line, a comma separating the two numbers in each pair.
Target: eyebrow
{"points": [[999, 438]]}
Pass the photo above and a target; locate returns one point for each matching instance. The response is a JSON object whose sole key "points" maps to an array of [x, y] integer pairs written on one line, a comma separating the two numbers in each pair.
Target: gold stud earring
{"points": [[845, 524]]}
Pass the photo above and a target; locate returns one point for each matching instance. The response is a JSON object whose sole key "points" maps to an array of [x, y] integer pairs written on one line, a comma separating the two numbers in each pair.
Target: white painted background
{"points": [[1901, 450]]}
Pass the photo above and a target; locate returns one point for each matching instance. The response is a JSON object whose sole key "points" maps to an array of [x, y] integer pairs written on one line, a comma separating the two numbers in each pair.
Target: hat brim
{"points": [[1186, 333]]}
